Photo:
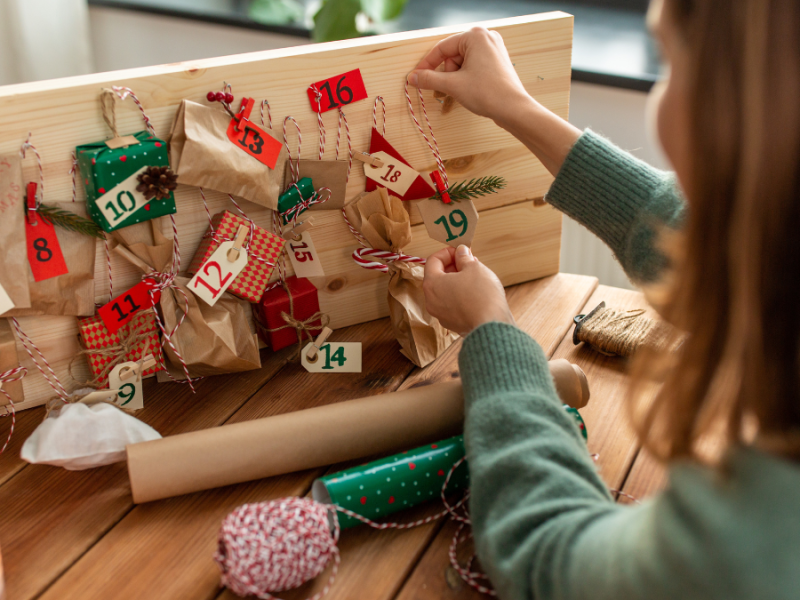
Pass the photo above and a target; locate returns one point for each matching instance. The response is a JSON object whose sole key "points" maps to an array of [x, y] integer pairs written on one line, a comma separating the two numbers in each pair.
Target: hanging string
{"points": [[269, 113], [433, 146], [294, 167], [15, 374], [375, 114], [26, 145], [109, 112], [50, 377], [343, 119], [321, 125]]}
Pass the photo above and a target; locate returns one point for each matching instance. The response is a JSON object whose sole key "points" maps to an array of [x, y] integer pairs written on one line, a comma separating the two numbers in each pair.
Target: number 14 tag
{"points": [[343, 357], [217, 273]]}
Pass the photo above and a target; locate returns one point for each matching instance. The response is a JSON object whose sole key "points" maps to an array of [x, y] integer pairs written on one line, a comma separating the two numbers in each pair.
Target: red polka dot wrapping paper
{"points": [[394, 483], [94, 334], [252, 281]]}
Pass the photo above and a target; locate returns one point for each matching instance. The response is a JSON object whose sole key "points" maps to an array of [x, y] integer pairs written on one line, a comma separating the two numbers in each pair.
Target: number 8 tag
{"points": [[217, 273]]}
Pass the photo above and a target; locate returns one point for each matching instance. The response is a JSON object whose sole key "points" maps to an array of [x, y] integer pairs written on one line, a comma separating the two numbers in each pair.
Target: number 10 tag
{"points": [[217, 273], [343, 357]]}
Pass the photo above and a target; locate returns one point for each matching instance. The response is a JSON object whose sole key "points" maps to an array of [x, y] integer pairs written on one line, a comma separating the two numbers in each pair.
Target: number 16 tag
{"points": [[342, 357], [218, 273]]}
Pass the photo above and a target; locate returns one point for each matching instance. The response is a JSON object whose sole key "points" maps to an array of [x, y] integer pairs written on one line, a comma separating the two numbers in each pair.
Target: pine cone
{"points": [[157, 182]]}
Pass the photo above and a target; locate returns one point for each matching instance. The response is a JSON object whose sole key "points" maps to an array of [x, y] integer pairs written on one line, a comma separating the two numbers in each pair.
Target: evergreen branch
{"points": [[474, 188], [71, 221]]}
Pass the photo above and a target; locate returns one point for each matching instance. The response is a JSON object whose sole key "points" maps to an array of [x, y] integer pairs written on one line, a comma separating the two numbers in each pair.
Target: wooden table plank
{"points": [[376, 563], [52, 516], [647, 477], [10, 461], [609, 435]]}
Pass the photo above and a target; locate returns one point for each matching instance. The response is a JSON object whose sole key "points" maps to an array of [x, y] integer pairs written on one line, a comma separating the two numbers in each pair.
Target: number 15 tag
{"points": [[304, 257], [217, 273], [342, 357]]}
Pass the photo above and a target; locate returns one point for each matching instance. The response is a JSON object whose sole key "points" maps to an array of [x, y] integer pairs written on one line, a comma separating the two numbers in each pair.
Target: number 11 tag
{"points": [[342, 357], [217, 273]]}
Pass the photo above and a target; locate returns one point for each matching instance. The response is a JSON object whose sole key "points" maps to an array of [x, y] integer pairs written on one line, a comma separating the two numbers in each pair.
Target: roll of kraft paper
{"points": [[201, 460]]}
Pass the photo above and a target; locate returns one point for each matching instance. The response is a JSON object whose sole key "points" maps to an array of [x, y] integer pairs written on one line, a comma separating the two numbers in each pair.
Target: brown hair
{"points": [[737, 267]]}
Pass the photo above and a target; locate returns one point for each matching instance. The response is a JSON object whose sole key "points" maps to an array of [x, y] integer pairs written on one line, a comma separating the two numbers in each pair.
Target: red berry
{"points": [[102, 190], [123, 158], [229, 98], [211, 96], [412, 466], [363, 499], [219, 96]]}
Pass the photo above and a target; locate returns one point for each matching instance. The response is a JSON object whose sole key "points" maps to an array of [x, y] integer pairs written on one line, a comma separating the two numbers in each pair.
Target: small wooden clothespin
{"points": [[233, 253], [440, 186], [98, 396], [368, 159], [295, 232], [146, 362], [311, 355]]}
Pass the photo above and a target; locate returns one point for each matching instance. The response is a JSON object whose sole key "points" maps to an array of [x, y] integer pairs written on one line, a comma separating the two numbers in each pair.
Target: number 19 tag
{"points": [[342, 357], [304, 257], [217, 273], [453, 224]]}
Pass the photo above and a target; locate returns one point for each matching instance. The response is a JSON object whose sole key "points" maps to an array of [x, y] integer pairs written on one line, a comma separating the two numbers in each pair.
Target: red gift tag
{"points": [[337, 91], [44, 251], [437, 179], [249, 137], [122, 309]]}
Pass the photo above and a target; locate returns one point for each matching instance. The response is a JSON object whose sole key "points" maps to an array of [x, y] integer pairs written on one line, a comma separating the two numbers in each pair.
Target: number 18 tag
{"points": [[304, 257], [217, 273], [393, 175], [342, 357]]}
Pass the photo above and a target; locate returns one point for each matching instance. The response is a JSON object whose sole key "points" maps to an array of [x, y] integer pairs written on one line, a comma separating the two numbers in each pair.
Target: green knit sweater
{"points": [[545, 524]]}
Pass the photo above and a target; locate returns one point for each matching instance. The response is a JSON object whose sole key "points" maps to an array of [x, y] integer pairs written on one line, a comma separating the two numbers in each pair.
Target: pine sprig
{"points": [[474, 188], [71, 221]]}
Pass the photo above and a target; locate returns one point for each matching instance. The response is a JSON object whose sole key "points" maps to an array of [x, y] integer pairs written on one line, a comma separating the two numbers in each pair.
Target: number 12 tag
{"points": [[217, 273], [393, 175], [344, 357], [304, 257]]}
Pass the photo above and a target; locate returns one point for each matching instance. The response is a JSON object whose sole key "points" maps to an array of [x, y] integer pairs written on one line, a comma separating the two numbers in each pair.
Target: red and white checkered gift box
{"points": [[95, 335], [265, 247]]}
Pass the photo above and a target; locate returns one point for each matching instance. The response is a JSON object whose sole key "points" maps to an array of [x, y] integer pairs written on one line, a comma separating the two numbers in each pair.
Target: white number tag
{"points": [[452, 224], [217, 273], [6, 303], [344, 357], [393, 175], [121, 201], [304, 257], [129, 390]]}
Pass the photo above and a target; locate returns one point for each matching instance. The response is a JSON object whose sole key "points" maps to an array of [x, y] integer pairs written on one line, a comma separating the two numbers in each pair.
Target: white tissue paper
{"points": [[79, 436]]}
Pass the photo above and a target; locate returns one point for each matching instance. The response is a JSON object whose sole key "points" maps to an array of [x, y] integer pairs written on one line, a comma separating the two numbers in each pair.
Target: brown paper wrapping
{"points": [[8, 361], [203, 156], [71, 294], [384, 222], [15, 270], [212, 339], [331, 174], [201, 460]]}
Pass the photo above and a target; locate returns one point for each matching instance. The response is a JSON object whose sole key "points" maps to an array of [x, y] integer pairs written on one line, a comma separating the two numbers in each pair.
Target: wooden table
{"points": [[78, 534]]}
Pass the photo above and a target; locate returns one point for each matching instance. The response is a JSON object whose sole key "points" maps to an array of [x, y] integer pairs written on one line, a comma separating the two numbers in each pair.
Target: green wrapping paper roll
{"points": [[291, 196], [385, 486]]}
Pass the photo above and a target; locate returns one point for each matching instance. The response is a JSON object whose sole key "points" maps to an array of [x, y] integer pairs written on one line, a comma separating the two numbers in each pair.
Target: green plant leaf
{"points": [[336, 20], [383, 10], [275, 12]]}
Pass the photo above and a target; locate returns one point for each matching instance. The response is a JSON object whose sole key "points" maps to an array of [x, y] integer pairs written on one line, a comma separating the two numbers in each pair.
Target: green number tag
{"points": [[343, 357], [451, 224]]}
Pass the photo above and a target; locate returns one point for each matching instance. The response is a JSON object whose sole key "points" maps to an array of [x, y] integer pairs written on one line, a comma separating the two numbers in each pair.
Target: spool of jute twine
{"points": [[622, 332]]}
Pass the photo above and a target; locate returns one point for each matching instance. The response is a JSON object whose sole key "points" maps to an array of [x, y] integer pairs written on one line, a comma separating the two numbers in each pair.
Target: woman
{"points": [[728, 119]]}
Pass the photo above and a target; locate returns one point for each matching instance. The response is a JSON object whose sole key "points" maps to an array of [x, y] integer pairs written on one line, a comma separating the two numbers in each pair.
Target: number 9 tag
{"points": [[129, 394], [343, 357], [453, 224], [217, 273]]}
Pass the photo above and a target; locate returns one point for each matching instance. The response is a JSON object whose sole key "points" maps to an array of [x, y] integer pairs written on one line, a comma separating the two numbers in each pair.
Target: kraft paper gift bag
{"points": [[203, 156], [331, 174], [384, 222], [71, 294], [14, 271]]}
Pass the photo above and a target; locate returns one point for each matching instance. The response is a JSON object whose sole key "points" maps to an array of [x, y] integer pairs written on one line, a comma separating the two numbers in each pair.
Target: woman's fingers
{"points": [[447, 48], [439, 262]]}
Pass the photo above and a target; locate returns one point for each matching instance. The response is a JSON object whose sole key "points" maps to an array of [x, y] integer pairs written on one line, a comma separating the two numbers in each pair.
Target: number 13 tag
{"points": [[217, 273], [304, 257], [393, 175], [344, 357]]}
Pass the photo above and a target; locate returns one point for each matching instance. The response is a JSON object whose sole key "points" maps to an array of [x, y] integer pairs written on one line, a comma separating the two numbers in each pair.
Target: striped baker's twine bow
{"points": [[319, 196], [433, 146], [14, 374], [360, 254]]}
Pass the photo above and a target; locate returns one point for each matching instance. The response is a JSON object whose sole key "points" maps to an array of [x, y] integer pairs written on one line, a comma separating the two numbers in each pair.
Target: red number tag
{"points": [[338, 91], [44, 251], [249, 137], [122, 309]]}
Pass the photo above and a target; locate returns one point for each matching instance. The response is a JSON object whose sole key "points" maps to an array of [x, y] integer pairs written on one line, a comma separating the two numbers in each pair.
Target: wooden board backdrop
{"points": [[518, 236]]}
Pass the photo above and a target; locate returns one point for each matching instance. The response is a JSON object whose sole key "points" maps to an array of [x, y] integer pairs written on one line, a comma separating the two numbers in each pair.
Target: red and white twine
{"points": [[343, 119], [389, 257], [294, 167], [375, 114], [50, 376], [319, 196], [269, 113], [123, 92], [26, 145], [434, 146], [14, 374]]}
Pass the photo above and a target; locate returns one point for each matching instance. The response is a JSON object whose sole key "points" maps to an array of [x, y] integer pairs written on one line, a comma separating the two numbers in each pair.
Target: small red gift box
{"points": [[95, 335], [305, 304], [265, 247]]}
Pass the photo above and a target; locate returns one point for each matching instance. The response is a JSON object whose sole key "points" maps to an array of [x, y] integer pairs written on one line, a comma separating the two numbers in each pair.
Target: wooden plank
{"points": [[10, 461], [647, 477], [64, 113], [609, 436], [375, 564]]}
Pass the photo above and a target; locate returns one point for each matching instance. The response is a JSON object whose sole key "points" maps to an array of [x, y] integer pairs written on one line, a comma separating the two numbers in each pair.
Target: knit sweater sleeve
{"points": [[619, 198]]}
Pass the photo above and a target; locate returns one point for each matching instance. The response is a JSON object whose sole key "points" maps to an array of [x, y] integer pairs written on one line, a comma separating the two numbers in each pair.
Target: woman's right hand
{"points": [[477, 72]]}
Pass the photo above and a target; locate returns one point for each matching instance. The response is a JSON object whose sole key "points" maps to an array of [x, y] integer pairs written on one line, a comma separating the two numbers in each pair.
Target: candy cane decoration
{"points": [[7, 377], [390, 257], [433, 146]]}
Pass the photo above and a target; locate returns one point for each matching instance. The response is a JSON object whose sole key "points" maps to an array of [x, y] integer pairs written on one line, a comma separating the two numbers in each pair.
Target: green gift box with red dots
{"points": [[385, 486], [102, 168]]}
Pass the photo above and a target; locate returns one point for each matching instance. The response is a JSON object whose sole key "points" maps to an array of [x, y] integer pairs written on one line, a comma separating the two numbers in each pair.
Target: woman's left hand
{"points": [[462, 292]]}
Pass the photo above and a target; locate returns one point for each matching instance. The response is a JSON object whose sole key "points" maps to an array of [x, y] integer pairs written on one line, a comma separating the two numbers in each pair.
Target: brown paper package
{"points": [[203, 156], [71, 294], [331, 174], [9, 360], [384, 222], [201, 460], [212, 339], [14, 273]]}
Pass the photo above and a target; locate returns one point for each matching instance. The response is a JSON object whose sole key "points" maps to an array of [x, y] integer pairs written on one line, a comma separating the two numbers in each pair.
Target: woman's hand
{"points": [[462, 292], [477, 72]]}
